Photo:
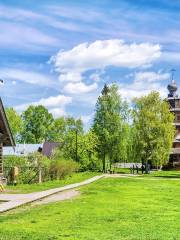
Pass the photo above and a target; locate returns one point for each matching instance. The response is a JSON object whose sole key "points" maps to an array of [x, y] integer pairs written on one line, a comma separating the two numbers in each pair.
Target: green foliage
{"points": [[86, 147], [24, 166], [87, 154], [111, 125], [28, 167], [153, 129], [15, 122], [59, 168], [118, 134], [36, 123], [34, 187]]}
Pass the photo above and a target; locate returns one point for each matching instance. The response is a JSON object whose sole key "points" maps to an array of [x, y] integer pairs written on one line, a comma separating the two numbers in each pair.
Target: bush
{"points": [[90, 163], [61, 168], [25, 172], [28, 167]]}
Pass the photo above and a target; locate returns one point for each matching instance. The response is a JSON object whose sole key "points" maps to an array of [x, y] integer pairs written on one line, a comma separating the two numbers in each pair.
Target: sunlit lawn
{"points": [[116, 208], [27, 188]]}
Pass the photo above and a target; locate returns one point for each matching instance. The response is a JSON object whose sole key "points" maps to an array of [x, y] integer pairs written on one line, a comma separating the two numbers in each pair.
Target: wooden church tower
{"points": [[6, 138], [174, 101]]}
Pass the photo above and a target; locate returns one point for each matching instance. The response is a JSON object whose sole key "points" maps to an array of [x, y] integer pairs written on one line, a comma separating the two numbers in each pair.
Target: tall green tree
{"points": [[110, 125], [36, 124], [15, 122], [72, 135], [57, 130], [61, 127], [153, 129]]}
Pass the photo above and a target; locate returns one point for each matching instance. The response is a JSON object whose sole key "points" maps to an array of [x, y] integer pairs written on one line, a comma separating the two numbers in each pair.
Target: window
{"points": [[178, 117]]}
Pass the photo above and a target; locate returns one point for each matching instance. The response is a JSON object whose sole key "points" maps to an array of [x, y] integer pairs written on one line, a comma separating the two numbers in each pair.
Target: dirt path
{"points": [[61, 196], [12, 201]]}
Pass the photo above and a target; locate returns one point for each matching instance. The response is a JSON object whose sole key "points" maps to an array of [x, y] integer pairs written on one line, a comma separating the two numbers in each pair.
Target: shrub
{"points": [[28, 166], [60, 168]]}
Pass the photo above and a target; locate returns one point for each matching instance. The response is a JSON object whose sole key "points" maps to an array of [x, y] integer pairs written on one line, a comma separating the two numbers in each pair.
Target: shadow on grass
{"points": [[170, 176]]}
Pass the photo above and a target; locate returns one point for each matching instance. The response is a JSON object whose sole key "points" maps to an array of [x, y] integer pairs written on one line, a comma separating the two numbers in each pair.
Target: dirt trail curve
{"points": [[12, 201]]}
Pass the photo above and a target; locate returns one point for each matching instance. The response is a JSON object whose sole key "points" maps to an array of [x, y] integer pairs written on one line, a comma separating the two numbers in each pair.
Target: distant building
{"points": [[49, 147], [22, 149], [19, 150], [6, 137], [174, 101]]}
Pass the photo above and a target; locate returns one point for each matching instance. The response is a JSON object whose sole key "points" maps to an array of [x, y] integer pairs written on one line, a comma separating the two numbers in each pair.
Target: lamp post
{"points": [[76, 132]]}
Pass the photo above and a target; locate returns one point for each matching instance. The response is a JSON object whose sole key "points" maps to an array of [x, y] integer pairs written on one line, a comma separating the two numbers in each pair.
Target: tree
{"points": [[87, 151], [57, 130], [36, 124], [153, 129], [110, 125], [15, 122]]}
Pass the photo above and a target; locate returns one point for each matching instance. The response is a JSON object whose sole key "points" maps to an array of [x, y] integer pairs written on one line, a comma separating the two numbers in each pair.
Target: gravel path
{"points": [[12, 201], [57, 197], [16, 200]]}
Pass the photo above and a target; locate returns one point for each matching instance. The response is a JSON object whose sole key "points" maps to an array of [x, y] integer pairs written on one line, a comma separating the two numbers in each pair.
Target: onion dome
{"points": [[172, 88]]}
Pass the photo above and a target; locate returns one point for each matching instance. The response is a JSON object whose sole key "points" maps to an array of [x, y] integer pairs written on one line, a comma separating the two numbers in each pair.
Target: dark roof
{"points": [[48, 148], [8, 139]]}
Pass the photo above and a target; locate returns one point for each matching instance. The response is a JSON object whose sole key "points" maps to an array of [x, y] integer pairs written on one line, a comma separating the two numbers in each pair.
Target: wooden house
{"points": [[6, 137]]}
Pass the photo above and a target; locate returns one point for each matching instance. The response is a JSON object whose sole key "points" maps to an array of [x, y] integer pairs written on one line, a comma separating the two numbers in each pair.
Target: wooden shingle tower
{"points": [[174, 101]]}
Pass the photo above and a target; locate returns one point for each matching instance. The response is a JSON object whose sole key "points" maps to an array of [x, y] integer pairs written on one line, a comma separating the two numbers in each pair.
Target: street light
{"points": [[76, 131]]}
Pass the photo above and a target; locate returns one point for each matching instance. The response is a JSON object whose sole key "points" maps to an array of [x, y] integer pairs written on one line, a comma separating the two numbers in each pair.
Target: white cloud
{"points": [[130, 91], [150, 76], [143, 84], [55, 104], [57, 112], [14, 82], [100, 54], [31, 77], [80, 87], [96, 76], [55, 101], [70, 77], [76, 13], [86, 118], [21, 36], [72, 64]]}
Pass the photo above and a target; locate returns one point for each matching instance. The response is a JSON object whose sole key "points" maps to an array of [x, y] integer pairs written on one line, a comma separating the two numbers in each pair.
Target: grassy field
{"points": [[28, 188], [116, 208]]}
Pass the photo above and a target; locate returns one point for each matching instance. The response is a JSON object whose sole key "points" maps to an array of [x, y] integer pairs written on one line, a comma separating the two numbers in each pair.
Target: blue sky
{"points": [[60, 53]]}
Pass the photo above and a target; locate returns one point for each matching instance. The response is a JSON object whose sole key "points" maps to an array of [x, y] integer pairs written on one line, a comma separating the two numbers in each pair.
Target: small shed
{"points": [[6, 137]]}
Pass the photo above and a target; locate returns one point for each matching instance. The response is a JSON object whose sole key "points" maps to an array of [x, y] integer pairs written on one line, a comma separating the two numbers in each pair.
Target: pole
{"points": [[76, 145]]}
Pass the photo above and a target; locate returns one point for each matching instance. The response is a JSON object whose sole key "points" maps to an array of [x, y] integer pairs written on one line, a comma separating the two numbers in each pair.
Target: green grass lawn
{"points": [[154, 173], [164, 174], [28, 188], [117, 209]]}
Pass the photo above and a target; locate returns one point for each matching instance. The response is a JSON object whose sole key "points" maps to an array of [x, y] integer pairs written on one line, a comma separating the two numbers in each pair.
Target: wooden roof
{"points": [[8, 139]]}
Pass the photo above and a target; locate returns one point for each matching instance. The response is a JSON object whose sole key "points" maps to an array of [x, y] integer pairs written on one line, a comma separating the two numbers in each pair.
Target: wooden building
{"points": [[6, 137], [174, 101]]}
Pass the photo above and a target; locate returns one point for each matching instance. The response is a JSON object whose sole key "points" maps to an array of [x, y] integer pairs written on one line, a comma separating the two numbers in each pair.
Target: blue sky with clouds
{"points": [[60, 53]]}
